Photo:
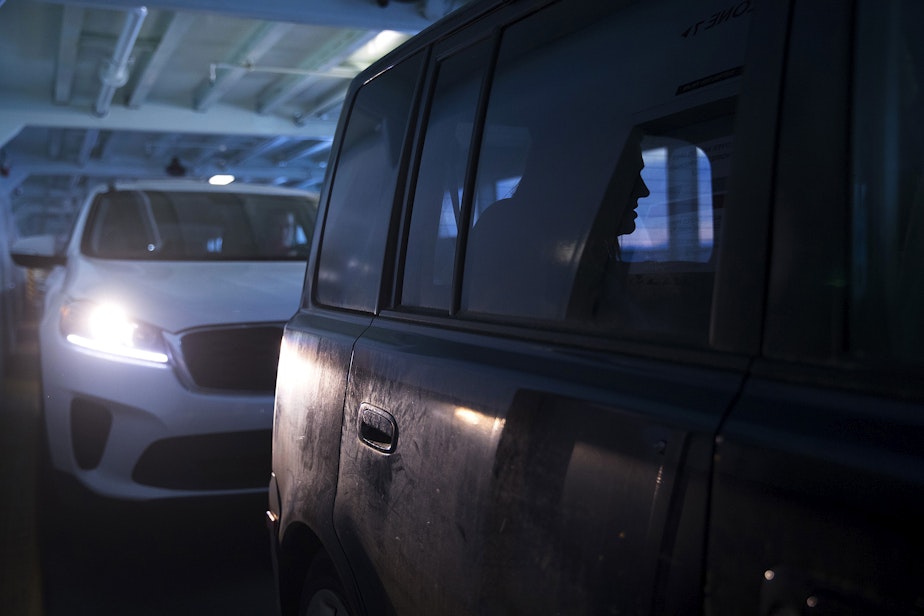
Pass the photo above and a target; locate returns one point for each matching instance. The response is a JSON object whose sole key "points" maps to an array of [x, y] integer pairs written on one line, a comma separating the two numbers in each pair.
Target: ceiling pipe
{"points": [[114, 73]]}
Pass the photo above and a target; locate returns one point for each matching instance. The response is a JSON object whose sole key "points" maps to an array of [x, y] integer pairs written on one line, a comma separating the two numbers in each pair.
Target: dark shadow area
{"points": [[20, 578], [200, 557]]}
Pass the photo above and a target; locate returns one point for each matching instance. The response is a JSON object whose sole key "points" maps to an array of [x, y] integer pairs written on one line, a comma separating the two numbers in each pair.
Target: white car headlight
{"points": [[108, 329]]}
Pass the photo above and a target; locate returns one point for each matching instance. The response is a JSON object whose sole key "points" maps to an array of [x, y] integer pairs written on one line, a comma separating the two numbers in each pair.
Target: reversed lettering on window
{"points": [[717, 19]]}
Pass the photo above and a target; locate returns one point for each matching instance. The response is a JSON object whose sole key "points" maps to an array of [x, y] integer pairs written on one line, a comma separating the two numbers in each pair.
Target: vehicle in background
{"points": [[160, 334], [615, 308]]}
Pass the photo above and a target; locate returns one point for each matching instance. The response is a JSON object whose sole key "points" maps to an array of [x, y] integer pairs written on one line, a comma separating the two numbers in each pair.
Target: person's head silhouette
{"points": [[633, 164], [281, 232]]}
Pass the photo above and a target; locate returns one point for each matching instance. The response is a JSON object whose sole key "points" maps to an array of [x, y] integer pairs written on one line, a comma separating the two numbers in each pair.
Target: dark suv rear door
{"points": [[526, 474]]}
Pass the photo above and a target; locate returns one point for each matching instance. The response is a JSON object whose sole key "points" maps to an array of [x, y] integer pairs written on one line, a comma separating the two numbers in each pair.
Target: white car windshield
{"points": [[198, 226]]}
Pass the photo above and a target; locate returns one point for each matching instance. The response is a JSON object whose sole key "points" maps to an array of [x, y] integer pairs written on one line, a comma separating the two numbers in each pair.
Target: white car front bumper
{"points": [[133, 430]]}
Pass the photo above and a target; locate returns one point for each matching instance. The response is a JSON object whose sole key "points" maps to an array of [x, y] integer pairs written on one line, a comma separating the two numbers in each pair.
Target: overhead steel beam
{"points": [[163, 148], [312, 182], [11, 182], [250, 51], [150, 169], [55, 142], [360, 14], [333, 99], [309, 150], [266, 146], [330, 55], [17, 112], [211, 150], [434, 9], [104, 43], [23, 207], [71, 25], [173, 36], [72, 183], [90, 139], [108, 145], [32, 192]]}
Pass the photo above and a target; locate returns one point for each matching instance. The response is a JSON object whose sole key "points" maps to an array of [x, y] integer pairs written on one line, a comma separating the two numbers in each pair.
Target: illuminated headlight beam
{"points": [[106, 328], [114, 349]]}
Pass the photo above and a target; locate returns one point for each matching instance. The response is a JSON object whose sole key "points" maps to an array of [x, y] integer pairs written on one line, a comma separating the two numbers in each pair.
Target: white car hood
{"points": [[175, 295]]}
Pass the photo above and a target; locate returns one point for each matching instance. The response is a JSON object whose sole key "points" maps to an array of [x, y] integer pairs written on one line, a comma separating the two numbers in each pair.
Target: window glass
{"points": [[599, 188], [363, 191], [887, 291], [675, 221], [437, 204], [155, 225], [119, 227]]}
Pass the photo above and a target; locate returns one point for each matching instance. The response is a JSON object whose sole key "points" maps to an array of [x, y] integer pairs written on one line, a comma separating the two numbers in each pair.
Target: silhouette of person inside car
{"points": [[602, 268], [281, 234], [639, 190], [564, 229]]}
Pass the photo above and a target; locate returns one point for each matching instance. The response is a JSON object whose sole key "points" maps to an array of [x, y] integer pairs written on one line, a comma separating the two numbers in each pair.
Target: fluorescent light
{"points": [[221, 180]]}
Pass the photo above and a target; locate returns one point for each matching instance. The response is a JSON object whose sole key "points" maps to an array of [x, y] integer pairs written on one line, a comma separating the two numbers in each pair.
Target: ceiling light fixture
{"points": [[221, 180]]}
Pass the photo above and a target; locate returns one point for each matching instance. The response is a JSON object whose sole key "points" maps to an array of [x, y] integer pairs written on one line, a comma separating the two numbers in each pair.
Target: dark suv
{"points": [[616, 308]]}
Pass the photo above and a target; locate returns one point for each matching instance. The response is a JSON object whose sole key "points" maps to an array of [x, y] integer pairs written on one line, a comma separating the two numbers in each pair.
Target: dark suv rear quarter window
{"points": [[363, 190]]}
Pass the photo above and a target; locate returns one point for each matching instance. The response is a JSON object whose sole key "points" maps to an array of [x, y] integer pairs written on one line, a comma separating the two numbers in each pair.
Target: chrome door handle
{"points": [[377, 428]]}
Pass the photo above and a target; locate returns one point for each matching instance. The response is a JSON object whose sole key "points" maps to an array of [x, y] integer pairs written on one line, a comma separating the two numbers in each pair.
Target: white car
{"points": [[160, 335]]}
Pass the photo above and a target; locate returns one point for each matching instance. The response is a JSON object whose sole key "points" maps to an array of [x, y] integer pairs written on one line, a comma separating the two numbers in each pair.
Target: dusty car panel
{"points": [[527, 469]]}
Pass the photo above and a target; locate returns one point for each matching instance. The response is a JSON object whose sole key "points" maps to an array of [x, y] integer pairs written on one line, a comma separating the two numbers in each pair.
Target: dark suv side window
{"points": [[363, 190], [887, 299], [609, 222], [437, 205]]}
